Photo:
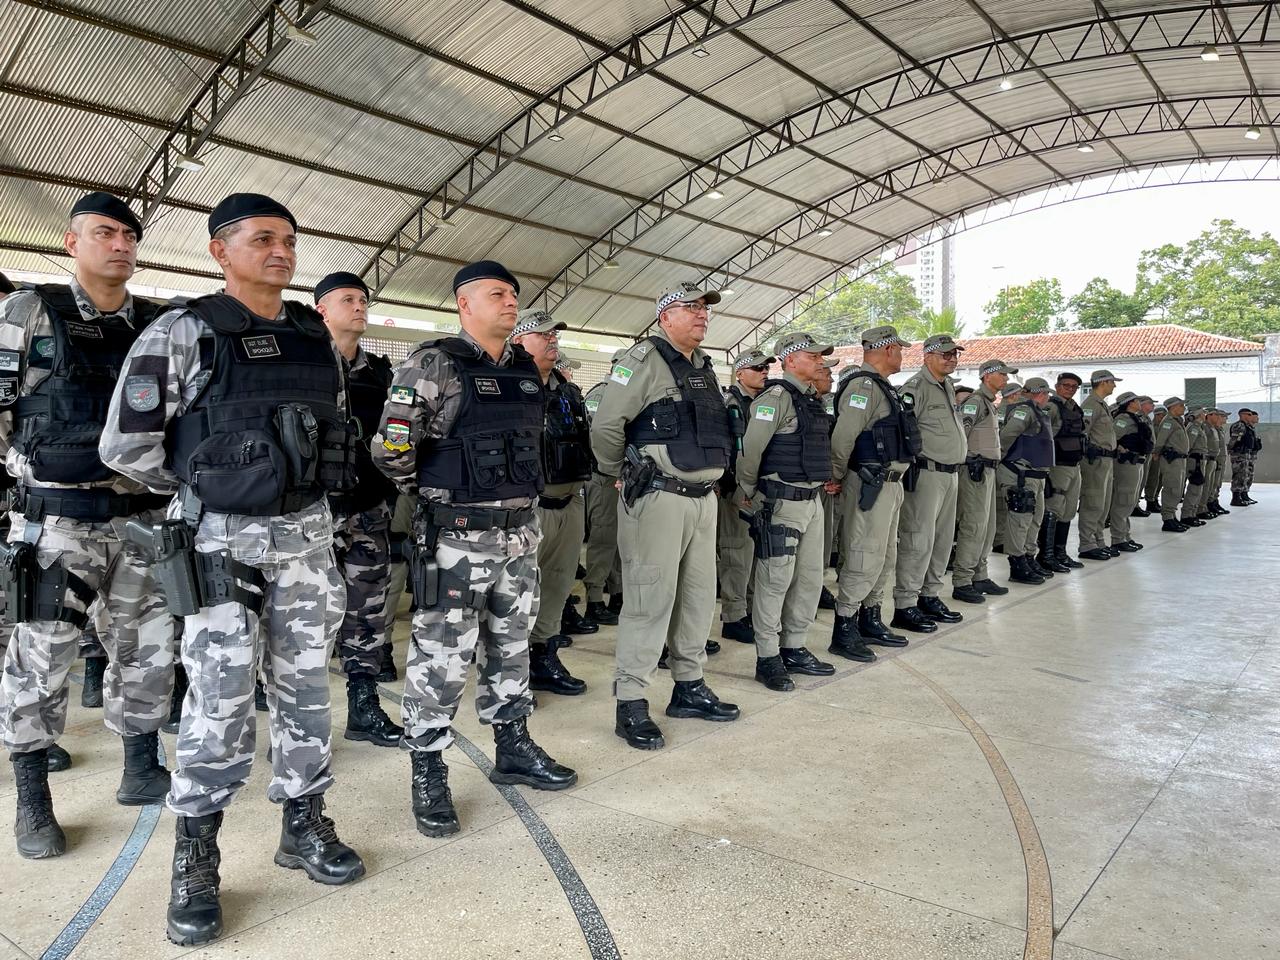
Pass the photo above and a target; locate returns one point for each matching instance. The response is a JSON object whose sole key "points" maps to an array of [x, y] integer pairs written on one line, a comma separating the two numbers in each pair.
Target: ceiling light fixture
{"points": [[700, 52], [554, 137], [1084, 147], [824, 232], [299, 35], [1006, 83], [714, 194], [1253, 133], [1209, 53], [611, 264], [185, 162], [727, 292]]}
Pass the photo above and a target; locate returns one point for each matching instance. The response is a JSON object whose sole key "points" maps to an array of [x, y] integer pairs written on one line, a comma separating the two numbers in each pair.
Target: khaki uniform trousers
{"points": [[1126, 485], [1065, 502], [784, 600], [868, 545], [926, 531], [975, 527], [1095, 500], [1022, 530], [604, 569], [557, 564], [737, 555]]}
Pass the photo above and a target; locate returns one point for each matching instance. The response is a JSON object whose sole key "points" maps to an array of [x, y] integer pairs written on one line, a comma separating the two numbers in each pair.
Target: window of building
{"points": [[1201, 391]]}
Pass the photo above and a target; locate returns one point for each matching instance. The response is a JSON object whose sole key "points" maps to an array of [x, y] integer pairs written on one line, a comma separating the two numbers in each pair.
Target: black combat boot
{"points": [[546, 672], [601, 614], [35, 827], [871, 626], [1034, 565], [259, 695], [935, 609], [1153, 507], [366, 720], [180, 684], [432, 802], [912, 618], [1216, 508], [634, 725], [800, 660], [1020, 572], [847, 642], [1060, 537], [309, 842], [195, 915], [1126, 546], [145, 780], [990, 587], [1138, 511], [1237, 500], [712, 647], [1173, 526], [740, 630], [615, 602], [694, 700], [574, 623], [519, 760], [58, 759], [1047, 557], [826, 600], [91, 692], [772, 672], [387, 672], [968, 593]]}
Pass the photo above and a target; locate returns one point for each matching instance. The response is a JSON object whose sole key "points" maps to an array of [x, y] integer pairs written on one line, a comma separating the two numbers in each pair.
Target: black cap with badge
{"points": [[340, 280], [485, 270], [242, 206], [105, 205]]}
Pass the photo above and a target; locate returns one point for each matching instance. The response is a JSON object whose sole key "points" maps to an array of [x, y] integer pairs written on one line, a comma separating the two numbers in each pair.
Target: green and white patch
{"points": [[1088, 413], [593, 405], [766, 413], [1020, 413], [969, 408], [1166, 426], [403, 395], [858, 401], [622, 375]]}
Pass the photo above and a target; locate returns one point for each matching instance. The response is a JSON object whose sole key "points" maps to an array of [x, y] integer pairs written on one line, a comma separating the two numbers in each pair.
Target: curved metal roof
{"points": [[605, 150]]}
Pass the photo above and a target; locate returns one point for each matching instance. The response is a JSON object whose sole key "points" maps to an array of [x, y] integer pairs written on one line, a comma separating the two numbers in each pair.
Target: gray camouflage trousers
{"points": [[223, 647], [361, 546], [1242, 471], [488, 602], [138, 638]]}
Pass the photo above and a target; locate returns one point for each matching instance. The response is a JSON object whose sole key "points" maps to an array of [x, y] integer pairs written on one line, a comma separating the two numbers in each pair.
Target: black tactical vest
{"points": [[805, 455], [367, 395], [1068, 445], [494, 448], [894, 438], [694, 429], [57, 426], [265, 436], [1141, 442], [1036, 450], [568, 435]]}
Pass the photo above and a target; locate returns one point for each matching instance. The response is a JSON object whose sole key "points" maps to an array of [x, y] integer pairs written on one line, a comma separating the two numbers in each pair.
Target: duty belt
{"points": [[682, 488], [780, 490], [555, 503], [894, 476], [987, 462], [448, 516], [924, 463], [89, 506], [1100, 452], [1172, 455]]}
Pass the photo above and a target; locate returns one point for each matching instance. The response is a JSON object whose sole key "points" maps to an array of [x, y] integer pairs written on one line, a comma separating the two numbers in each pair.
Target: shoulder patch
{"points": [[764, 412], [142, 392], [908, 398], [10, 361], [858, 401], [1166, 426], [1020, 413], [592, 405], [1088, 412], [395, 436], [403, 395], [969, 408], [622, 374]]}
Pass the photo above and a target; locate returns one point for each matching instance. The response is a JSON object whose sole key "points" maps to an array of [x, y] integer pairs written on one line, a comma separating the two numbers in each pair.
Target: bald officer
{"points": [[1133, 443], [976, 499], [1097, 469], [874, 442], [737, 554], [927, 526], [662, 426]]}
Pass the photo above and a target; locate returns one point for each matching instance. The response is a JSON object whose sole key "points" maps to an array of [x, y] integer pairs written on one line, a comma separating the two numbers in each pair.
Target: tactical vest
{"points": [[894, 438], [57, 425], [367, 390], [1068, 445], [739, 406], [264, 436], [1247, 443], [695, 429], [494, 447], [568, 436], [1143, 441], [1035, 450], [805, 455]]}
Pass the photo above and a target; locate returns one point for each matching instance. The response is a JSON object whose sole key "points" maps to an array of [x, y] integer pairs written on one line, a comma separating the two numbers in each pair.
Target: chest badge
{"points": [[488, 387], [257, 348], [528, 386]]}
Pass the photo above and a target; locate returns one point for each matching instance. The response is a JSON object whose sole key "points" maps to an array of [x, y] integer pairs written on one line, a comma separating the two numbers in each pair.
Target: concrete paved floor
{"points": [[1086, 769]]}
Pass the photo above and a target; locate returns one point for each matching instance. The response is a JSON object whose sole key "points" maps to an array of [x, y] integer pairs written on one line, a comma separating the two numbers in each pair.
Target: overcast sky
{"points": [[1103, 236]]}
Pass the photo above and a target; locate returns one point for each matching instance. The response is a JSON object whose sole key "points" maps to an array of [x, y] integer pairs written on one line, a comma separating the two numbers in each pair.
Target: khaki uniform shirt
{"points": [[978, 414], [1099, 426], [1020, 419], [860, 404], [772, 412], [1172, 434], [941, 429]]}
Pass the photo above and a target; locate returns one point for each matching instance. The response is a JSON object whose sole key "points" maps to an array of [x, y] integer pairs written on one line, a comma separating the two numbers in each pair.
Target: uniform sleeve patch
{"points": [[395, 436], [765, 413], [10, 361], [969, 409], [908, 398], [403, 395], [1020, 414], [8, 391], [142, 392], [1166, 426], [142, 395], [592, 405], [858, 401], [1088, 412], [622, 375]]}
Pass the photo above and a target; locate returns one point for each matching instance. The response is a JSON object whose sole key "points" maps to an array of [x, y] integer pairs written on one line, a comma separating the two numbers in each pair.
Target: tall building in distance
{"points": [[932, 270]]}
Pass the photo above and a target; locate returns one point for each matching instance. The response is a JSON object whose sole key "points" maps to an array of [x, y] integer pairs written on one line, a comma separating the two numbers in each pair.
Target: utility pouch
{"points": [[299, 436], [911, 479]]}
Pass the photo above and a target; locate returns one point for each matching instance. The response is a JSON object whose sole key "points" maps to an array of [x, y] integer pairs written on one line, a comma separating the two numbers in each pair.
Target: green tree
{"points": [[930, 323], [1100, 305], [885, 296], [1225, 281], [1033, 308]]}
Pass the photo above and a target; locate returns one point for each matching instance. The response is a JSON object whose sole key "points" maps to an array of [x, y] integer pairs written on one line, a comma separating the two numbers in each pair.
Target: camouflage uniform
{"points": [[1243, 457], [362, 550], [224, 645], [499, 565], [139, 642]]}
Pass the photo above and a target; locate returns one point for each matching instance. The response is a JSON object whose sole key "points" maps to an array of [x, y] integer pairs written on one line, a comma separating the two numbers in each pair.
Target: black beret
{"points": [[1068, 375], [484, 270], [105, 205], [340, 281], [242, 206]]}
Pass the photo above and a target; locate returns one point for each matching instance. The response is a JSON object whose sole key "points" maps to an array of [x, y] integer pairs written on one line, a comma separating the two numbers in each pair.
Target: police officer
{"points": [[1213, 508], [927, 526], [1172, 444], [602, 563], [1097, 469], [463, 429], [362, 516], [1197, 456], [238, 400], [733, 541], [976, 496], [561, 511], [1134, 442], [1145, 406], [784, 465], [1151, 475], [663, 425], [824, 385], [1010, 394], [61, 350], [1243, 445], [1063, 503], [874, 442], [1026, 439]]}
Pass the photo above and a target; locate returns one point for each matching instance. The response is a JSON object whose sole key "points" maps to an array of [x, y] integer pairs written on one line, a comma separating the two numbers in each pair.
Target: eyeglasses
{"points": [[694, 307], [950, 354], [761, 368], [549, 335]]}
